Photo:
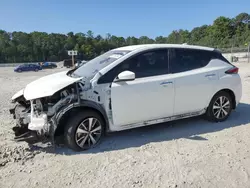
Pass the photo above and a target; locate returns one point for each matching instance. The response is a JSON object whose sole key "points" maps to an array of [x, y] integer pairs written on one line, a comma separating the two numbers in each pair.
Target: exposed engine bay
{"points": [[36, 118]]}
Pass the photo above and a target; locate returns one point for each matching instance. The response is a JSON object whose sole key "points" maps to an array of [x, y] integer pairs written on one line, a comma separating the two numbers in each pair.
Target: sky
{"points": [[125, 18]]}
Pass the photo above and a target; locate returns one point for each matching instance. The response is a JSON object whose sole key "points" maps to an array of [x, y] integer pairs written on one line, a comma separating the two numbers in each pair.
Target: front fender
{"points": [[81, 104]]}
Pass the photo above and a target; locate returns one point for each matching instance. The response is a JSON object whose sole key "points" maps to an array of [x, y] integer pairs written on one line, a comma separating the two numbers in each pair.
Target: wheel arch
{"points": [[63, 115], [230, 92]]}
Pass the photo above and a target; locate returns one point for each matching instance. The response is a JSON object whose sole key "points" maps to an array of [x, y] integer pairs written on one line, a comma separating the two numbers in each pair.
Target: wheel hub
{"points": [[221, 107], [88, 133]]}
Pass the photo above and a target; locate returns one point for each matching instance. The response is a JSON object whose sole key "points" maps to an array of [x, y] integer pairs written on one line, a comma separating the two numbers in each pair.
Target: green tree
{"points": [[41, 46]]}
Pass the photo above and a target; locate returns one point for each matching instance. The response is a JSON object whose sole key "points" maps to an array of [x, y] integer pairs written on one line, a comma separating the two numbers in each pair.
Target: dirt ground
{"points": [[186, 153]]}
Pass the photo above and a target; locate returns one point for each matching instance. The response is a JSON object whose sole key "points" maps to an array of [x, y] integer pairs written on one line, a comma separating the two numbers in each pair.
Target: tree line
{"points": [[40, 46]]}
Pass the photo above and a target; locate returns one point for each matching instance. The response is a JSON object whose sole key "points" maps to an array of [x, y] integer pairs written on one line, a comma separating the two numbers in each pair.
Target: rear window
{"points": [[189, 59]]}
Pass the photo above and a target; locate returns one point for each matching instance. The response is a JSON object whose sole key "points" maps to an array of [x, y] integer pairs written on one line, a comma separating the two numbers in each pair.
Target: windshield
{"points": [[90, 68]]}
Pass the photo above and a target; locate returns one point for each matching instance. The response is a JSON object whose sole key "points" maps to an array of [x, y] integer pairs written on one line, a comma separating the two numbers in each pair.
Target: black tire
{"points": [[36, 70], [213, 111], [72, 125]]}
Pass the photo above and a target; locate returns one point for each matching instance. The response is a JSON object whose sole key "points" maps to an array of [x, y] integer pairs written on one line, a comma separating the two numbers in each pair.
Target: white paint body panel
{"points": [[48, 85], [142, 100], [193, 90], [225, 81], [17, 94]]}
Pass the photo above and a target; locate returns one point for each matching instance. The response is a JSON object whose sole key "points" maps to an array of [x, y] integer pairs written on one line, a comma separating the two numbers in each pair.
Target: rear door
{"points": [[194, 80]]}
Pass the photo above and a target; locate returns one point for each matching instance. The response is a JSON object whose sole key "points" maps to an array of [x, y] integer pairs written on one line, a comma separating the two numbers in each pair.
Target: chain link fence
{"points": [[236, 54]]}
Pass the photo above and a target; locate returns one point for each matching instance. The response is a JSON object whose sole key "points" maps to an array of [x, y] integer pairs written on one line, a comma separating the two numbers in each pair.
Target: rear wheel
{"points": [[84, 131], [220, 107]]}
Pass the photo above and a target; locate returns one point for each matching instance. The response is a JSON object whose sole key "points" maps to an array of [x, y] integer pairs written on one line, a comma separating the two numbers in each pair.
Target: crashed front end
{"points": [[37, 119]]}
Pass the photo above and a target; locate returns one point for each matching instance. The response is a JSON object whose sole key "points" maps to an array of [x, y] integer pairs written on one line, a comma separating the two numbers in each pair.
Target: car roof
{"points": [[152, 46]]}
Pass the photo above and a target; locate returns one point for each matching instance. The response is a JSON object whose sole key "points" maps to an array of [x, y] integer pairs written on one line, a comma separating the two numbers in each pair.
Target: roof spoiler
{"points": [[217, 50]]}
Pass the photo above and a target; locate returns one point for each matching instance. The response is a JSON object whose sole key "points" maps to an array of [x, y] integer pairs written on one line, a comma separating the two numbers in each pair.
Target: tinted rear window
{"points": [[222, 58], [189, 59]]}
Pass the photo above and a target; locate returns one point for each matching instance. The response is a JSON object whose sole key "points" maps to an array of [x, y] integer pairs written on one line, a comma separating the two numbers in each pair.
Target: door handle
{"points": [[167, 82], [210, 75]]}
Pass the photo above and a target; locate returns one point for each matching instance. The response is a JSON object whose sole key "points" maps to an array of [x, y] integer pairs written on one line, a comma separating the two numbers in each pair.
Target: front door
{"points": [[150, 96]]}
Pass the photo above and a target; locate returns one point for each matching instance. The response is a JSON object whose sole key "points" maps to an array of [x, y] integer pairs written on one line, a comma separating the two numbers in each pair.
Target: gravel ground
{"points": [[186, 153]]}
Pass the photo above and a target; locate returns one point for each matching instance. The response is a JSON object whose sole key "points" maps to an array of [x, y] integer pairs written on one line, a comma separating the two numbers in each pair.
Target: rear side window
{"points": [[189, 59], [222, 58]]}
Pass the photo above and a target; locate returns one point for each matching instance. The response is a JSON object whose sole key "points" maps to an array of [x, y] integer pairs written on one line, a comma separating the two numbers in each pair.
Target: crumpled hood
{"points": [[18, 94], [48, 85]]}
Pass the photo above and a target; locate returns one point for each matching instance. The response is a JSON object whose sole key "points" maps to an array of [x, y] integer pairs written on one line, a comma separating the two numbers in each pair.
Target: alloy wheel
{"points": [[221, 107], [88, 133]]}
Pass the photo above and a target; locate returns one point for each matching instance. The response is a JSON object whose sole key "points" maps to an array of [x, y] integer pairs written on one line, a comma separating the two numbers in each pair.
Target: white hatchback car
{"points": [[124, 88]]}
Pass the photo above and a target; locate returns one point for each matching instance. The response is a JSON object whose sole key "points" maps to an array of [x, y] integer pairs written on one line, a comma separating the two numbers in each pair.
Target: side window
{"points": [[151, 63], [188, 59]]}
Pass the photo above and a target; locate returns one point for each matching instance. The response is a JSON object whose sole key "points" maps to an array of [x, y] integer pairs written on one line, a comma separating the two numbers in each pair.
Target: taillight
{"points": [[233, 70]]}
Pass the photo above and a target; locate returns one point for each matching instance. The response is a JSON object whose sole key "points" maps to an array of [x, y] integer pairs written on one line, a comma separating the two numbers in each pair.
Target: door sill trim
{"points": [[160, 120]]}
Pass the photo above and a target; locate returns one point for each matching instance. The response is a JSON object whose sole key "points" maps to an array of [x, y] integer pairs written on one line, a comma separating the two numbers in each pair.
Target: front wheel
{"points": [[84, 130], [220, 107]]}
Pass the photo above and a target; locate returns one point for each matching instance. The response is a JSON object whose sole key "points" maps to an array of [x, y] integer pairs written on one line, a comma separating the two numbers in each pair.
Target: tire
{"points": [[217, 112], [36, 70], [76, 133]]}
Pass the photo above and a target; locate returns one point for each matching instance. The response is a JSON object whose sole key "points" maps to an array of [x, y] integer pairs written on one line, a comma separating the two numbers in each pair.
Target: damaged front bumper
{"points": [[37, 119], [31, 128]]}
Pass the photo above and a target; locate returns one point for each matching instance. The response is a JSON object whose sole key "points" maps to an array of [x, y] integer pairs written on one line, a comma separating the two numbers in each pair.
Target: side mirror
{"points": [[125, 76]]}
